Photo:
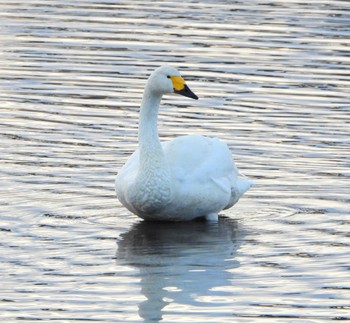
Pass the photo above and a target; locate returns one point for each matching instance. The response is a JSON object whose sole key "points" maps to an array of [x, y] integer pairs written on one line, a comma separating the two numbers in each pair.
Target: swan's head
{"points": [[166, 79]]}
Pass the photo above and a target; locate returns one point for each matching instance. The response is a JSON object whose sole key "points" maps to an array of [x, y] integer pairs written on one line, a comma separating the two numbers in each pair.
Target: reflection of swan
{"points": [[179, 263], [186, 178]]}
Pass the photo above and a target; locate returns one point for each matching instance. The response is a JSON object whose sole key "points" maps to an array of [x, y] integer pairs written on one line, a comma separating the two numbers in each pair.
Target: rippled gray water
{"points": [[273, 80]]}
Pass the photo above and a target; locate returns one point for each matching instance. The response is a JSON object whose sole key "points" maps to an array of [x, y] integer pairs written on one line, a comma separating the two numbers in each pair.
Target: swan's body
{"points": [[179, 180]]}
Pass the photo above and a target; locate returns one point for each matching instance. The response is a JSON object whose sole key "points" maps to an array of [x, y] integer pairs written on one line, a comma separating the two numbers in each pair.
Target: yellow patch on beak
{"points": [[178, 83]]}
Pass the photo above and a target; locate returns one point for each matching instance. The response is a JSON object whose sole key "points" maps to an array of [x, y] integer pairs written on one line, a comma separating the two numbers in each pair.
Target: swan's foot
{"points": [[212, 217]]}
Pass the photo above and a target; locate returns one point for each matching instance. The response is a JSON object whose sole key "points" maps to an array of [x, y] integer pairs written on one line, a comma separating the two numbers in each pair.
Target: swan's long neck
{"points": [[153, 179], [149, 144]]}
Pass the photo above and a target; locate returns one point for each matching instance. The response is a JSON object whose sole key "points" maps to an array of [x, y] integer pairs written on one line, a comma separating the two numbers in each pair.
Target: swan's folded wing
{"points": [[198, 157]]}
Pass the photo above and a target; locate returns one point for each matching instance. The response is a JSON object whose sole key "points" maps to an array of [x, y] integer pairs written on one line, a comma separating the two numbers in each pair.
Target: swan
{"points": [[180, 180]]}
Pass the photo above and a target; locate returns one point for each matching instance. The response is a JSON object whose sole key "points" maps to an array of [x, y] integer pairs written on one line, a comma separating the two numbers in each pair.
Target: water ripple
{"points": [[272, 77]]}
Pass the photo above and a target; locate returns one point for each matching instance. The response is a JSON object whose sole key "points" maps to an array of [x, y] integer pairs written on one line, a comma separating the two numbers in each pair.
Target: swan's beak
{"points": [[180, 87]]}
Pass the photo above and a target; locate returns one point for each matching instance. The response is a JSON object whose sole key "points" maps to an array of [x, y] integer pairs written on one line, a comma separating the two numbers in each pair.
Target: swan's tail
{"points": [[243, 184]]}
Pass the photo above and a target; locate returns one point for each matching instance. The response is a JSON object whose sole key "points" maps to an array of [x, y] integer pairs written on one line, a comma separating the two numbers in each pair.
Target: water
{"points": [[273, 82]]}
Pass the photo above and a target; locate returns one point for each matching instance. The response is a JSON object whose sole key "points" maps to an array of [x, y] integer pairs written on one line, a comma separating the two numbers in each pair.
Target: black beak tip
{"points": [[187, 92]]}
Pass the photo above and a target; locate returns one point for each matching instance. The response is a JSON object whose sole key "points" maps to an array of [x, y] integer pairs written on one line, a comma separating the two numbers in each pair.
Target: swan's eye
{"points": [[168, 76]]}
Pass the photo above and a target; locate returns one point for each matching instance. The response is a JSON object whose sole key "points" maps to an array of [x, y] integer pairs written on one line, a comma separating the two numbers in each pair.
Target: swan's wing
{"points": [[206, 164], [199, 157]]}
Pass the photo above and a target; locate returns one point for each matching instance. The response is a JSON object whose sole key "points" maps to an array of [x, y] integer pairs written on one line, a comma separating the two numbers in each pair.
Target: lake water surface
{"points": [[273, 81]]}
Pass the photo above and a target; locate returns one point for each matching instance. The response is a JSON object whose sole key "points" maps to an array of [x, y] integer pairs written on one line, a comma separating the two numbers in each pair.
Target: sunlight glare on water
{"points": [[273, 82]]}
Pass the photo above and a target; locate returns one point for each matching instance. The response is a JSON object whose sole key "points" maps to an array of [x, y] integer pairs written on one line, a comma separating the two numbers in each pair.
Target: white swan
{"points": [[178, 180]]}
